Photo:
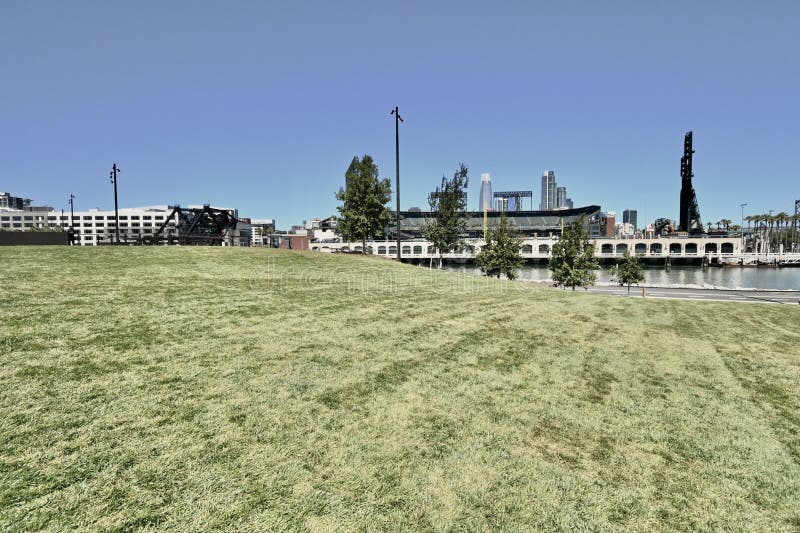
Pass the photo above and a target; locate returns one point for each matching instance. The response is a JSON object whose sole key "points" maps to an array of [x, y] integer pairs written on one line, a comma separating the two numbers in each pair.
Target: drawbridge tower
{"points": [[690, 213]]}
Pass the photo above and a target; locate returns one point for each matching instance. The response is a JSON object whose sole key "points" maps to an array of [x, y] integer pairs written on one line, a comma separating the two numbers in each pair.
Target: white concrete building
{"points": [[261, 229], [624, 229], [21, 220], [95, 225]]}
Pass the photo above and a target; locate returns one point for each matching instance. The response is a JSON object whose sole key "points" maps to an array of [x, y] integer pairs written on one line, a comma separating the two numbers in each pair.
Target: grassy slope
{"points": [[252, 389]]}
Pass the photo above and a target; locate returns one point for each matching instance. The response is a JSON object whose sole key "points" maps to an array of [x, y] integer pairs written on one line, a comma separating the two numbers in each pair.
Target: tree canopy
{"points": [[448, 204], [629, 271], [500, 255], [364, 213], [573, 262]]}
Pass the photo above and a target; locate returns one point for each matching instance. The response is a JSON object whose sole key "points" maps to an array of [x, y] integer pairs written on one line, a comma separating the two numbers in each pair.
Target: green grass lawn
{"points": [[247, 389]]}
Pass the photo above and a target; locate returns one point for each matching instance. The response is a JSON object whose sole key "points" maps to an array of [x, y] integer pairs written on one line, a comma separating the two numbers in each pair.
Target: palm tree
{"points": [[782, 219], [726, 223], [758, 227], [770, 219], [749, 219]]}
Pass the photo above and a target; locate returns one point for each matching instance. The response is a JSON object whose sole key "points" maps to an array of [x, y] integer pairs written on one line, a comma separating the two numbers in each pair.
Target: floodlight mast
{"points": [[71, 209], [397, 120], [114, 171]]}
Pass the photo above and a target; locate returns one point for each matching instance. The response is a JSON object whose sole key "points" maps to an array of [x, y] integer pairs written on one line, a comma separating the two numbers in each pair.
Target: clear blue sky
{"points": [[261, 105]]}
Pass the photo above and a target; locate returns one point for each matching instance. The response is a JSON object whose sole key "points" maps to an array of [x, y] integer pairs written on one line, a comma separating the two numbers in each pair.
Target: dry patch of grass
{"points": [[236, 389]]}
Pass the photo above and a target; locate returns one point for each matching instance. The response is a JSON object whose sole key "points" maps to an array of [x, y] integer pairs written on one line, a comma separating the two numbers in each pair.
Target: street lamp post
{"points": [[114, 171], [71, 209], [744, 241], [397, 121]]}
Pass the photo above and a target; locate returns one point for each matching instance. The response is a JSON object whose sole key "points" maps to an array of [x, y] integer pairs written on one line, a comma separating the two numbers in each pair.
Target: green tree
{"points": [[448, 205], [364, 214], [500, 255], [629, 271], [782, 219], [573, 262]]}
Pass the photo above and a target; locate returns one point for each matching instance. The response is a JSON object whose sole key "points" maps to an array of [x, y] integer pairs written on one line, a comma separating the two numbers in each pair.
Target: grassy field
{"points": [[245, 389]]}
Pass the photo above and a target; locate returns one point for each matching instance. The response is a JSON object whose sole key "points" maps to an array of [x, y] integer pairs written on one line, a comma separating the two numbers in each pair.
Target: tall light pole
{"points": [[71, 209], [744, 241], [397, 121], [114, 171]]}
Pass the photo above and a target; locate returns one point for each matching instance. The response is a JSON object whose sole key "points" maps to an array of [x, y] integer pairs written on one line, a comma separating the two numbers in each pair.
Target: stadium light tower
{"points": [[114, 171], [71, 209], [397, 120]]}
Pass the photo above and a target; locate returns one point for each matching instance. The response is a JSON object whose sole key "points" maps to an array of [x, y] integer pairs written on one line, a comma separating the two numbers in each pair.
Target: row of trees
{"points": [[364, 215], [776, 229], [781, 220]]}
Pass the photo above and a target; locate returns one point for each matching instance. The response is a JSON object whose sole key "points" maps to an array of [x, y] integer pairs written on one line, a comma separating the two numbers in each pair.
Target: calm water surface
{"points": [[729, 278]]}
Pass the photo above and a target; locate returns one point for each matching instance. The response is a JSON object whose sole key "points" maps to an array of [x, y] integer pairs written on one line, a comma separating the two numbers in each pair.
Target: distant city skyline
{"points": [[263, 106]]}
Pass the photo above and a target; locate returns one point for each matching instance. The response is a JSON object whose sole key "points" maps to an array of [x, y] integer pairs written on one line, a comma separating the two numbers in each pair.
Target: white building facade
{"points": [[261, 230], [98, 226]]}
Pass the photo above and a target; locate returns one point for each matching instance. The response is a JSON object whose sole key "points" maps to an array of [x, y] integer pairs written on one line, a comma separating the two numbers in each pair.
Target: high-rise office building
{"points": [[485, 198], [13, 202], [629, 217], [548, 201], [513, 204], [561, 197]]}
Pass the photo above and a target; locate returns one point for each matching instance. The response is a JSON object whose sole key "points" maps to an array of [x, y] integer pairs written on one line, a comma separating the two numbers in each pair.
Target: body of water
{"points": [[727, 278]]}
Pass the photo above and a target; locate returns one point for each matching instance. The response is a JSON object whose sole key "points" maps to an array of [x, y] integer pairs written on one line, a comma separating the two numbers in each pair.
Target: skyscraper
{"points": [[629, 217], [561, 197], [485, 198], [512, 204], [548, 201], [13, 202]]}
